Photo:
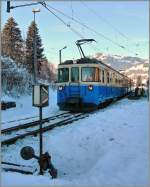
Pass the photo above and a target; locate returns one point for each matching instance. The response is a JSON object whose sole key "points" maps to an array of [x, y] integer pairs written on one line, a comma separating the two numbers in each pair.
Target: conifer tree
{"points": [[33, 33], [12, 42]]}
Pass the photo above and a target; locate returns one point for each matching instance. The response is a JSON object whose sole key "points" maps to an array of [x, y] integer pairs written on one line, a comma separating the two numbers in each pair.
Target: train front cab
{"points": [[76, 88], [87, 86]]}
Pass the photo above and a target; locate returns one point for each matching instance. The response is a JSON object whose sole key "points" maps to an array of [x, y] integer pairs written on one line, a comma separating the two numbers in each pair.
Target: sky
{"points": [[115, 24]]}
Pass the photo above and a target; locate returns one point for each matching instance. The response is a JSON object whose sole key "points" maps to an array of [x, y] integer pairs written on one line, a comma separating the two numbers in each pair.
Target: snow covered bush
{"points": [[15, 81]]}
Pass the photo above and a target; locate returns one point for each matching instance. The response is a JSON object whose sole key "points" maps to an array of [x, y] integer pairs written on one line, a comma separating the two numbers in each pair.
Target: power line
{"points": [[72, 29], [106, 21], [84, 25], [66, 24], [72, 11], [91, 29]]}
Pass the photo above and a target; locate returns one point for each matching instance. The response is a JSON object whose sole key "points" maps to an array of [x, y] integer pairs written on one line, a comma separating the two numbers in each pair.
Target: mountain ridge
{"points": [[128, 65]]}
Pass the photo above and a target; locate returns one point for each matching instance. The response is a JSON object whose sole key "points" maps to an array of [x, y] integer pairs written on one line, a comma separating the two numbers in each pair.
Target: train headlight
{"points": [[60, 88], [90, 87]]}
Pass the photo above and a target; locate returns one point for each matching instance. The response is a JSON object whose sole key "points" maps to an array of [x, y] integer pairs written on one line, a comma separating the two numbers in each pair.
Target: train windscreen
{"points": [[74, 74], [63, 75], [90, 74]]}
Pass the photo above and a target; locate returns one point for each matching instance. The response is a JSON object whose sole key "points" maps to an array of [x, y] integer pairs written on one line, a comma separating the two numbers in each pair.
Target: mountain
{"points": [[130, 66], [135, 71]]}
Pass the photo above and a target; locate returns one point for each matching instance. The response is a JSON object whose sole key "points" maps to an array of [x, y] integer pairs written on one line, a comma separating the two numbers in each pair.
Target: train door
{"points": [[74, 82]]}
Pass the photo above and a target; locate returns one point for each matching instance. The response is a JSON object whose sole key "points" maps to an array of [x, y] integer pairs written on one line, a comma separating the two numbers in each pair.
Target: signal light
{"points": [[8, 6]]}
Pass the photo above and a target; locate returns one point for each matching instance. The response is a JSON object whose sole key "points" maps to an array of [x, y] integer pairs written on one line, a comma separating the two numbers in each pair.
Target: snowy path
{"points": [[108, 148]]}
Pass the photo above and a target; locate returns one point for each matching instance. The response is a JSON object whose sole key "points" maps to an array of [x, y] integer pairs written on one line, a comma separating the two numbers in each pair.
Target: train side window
{"points": [[107, 77], [100, 74], [103, 76], [113, 78], [116, 80], [96, 77], [90, 74], [121, 82], [74, 74], [63, 75], [110, 78]]}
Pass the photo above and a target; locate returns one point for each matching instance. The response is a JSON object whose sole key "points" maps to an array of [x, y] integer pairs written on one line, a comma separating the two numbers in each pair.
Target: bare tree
{"points": [[139, 81]]}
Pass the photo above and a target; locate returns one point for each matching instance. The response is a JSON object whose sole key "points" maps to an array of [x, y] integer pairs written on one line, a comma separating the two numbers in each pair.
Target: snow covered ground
{"points": [[109, 147], [24, 109]]}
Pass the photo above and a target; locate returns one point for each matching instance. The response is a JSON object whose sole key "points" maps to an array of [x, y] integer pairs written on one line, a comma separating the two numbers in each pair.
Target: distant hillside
{"points": [[131, 66], [138, 70]]}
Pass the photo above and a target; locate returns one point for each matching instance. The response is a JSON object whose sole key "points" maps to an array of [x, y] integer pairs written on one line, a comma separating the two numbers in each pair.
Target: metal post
{"points": [[60, 53], [35, 55], [35, 48], [41, 138], [60, 56]]}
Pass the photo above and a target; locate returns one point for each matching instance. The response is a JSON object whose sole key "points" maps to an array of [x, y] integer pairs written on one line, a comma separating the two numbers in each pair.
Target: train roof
{"points": [[89, 61]]}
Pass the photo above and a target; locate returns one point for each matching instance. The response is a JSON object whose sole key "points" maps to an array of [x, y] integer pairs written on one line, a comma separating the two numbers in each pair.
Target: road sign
{"points": [[44, 95], [40, 96]]}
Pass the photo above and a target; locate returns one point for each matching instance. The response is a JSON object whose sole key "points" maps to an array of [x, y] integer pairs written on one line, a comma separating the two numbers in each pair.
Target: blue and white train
{"points": [[84, 84]]}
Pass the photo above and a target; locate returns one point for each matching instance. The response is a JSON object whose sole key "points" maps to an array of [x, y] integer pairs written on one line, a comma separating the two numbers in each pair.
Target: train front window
{"points": [[90, 74], [63, 75], [74, 74]]}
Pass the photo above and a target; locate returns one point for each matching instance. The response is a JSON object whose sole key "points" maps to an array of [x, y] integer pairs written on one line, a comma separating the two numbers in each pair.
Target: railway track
{"points": [[18, 120], [11, 135], [32, 129], [8, 166], [26, 119], [31, 124]]}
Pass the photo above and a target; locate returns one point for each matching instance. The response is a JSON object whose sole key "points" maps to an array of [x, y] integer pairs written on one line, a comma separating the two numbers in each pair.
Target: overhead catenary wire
{"points": [[66, 24], [72, 11], [76, 32], [107, 22], [87, 27]]}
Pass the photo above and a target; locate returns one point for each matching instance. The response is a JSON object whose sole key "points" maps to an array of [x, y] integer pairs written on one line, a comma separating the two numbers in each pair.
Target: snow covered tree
{"points": [[52, 71], [33, 32], [12, 42], [14, 81], [47, 71]]}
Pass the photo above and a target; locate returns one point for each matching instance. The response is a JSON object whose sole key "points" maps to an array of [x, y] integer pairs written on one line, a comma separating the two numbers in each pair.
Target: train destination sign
{"points": [[40, 96]]}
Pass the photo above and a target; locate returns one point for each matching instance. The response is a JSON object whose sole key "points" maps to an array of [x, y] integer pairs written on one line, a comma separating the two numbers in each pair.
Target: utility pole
{"points": [[60, 53], [35, 47]]}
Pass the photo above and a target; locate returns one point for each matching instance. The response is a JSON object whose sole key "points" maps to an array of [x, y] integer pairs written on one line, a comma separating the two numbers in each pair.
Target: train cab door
{"points": [[74, 82]]}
